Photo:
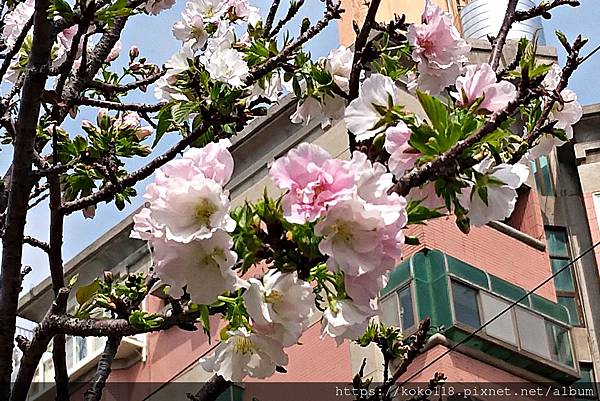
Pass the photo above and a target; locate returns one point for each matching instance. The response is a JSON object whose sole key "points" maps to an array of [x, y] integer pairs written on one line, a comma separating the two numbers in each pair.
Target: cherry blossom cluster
{"points": [[207, 33], [359, 222], [16, 20]]}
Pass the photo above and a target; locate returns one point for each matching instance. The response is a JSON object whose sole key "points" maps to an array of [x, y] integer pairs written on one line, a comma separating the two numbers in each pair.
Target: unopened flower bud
{"points": [[143, 133], [134, 52], [103, 119]]}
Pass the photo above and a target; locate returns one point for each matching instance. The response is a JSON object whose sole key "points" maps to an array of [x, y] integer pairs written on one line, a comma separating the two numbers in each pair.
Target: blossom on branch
{"points": [[279, 305], [402, 156], [494, 196], [344, 319], [204, 267], [479, 83], [313, 180], [378, 94], [245, 353], [438, 49]]}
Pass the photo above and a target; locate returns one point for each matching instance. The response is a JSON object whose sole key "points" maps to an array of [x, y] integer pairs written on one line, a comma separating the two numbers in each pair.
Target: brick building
{"points": [[460, 281]]}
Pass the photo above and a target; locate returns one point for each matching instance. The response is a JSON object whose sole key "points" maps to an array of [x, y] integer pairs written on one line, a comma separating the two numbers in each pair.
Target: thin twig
{"points": [[140, 107], [16, 47], [500, 40]]}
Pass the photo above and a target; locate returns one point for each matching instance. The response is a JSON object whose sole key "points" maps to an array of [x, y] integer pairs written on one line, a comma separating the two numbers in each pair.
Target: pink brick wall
{"points": [[527, 216], [489, 250]]}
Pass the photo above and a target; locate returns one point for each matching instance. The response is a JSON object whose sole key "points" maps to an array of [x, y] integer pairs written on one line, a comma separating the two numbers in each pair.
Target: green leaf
{"points": [[164, 123], [181, 111], [436, 111], [86, 292], [418, 214]]}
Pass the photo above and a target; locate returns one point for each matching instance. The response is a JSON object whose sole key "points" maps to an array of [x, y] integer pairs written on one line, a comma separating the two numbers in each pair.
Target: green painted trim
{"points": [[467, 272], [549, 308], [398, 277], [508, 290]]}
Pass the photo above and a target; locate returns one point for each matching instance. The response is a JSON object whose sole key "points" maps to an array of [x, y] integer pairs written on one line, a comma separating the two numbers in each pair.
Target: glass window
{"points": [[543, 176], [69, 349], [571, 304], [406, 308], [557, 242], [586, 385], [81, 348], [530, 326], [465, 305], [503, 328], [563, 280], [560, 344], [390, 312], [397, 309]]}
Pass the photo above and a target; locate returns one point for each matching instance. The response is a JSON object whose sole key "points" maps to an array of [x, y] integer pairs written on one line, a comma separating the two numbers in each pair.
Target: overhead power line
{"points": [[509, 307]]}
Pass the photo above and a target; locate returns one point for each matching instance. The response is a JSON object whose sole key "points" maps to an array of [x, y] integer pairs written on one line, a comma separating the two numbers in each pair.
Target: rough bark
{"points": [[21, 184], [94, 392]]}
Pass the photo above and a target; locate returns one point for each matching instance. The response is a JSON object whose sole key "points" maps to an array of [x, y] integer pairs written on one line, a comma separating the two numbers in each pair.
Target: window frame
{"points": [[395, 293], [566, 258]]}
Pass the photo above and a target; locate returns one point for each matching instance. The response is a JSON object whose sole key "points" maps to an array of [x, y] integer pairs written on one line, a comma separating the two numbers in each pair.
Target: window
{"points": [[597, 208], [465, 305], [564, 282], [560, 344], [543, 176], [398, 309], [503, 327], [586, 385]]}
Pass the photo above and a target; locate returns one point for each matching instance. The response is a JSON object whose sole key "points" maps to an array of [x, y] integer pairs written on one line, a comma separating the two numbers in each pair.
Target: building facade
{"points": [[461, 282]]}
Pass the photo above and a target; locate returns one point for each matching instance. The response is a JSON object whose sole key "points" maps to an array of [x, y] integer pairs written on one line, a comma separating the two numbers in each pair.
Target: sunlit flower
{"points": [[346, 320], [438, 49], [228, 66], [191, 27], [501, 194], [279, 305], [15, 21], [155, 7], [204, 267], [184, 209], [479, 82], [313, 180], [362, 114], [339, 65], [245, 354]]}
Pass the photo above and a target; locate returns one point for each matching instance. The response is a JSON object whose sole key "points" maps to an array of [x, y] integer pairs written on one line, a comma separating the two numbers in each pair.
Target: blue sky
{"points": [[153, 36]]}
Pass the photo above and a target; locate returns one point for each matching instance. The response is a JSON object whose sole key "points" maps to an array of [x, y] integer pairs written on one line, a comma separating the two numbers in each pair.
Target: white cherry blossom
{"points": [[245, 354], [361, 115], [346, 320]]}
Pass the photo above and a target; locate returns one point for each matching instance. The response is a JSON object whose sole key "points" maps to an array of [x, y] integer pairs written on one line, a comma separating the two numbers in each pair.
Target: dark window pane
{"points": [[571, 304], [557, 242], [546, 177], [406, 308], [465, 305], [560, 344], [563, 280], [585, 385]]}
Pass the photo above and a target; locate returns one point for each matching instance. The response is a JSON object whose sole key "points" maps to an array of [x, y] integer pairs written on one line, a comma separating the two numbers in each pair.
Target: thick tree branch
{"points": [[44, 246], [211, 389], [94, 392], [20, 188]]}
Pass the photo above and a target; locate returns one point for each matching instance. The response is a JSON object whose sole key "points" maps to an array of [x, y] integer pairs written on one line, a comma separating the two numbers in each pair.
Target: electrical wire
{"points": [[512, 305]]}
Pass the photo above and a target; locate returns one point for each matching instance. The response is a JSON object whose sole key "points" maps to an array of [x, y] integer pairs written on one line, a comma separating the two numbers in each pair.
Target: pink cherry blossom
{"points": [[346, 320], [402, 156], [480, 82], [313, 179], [438, 50]]}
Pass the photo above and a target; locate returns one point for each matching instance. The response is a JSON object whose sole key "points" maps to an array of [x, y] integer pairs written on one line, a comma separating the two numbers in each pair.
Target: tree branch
{"points": [[98, 381], [500, 39], [44, 246], [15, 49], [543, 9], [139, 107], [211, 389], [20, 188], [111, 89], [271, 16]]}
